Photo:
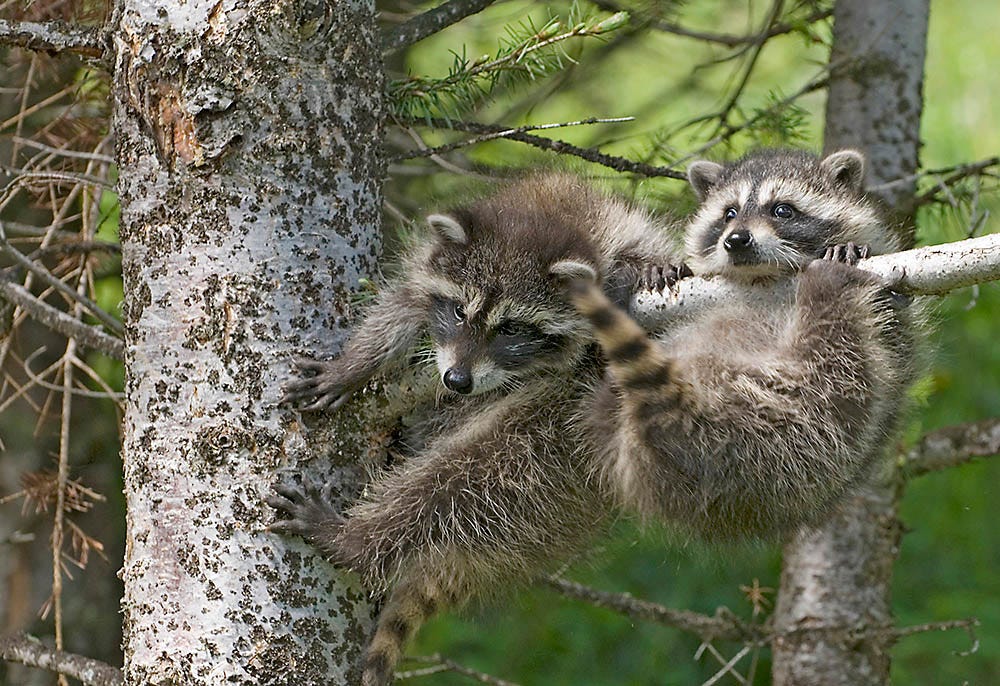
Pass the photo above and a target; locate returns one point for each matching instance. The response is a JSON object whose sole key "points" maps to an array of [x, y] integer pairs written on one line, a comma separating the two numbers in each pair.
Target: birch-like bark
{"points": [[249, 152], [833, 614]]}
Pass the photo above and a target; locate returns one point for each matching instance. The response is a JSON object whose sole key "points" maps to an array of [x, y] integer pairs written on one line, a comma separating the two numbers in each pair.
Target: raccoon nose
{"points": [[458, 380], [738, 240]]}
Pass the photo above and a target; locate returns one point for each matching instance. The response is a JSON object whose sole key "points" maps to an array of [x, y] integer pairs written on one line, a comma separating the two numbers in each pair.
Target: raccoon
{"points": [[756, 418], [500, 488]]}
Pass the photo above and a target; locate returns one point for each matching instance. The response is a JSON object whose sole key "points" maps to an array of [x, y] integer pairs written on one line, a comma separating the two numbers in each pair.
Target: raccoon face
{"points": [[482, 344], [773, 212], [495, 314]]}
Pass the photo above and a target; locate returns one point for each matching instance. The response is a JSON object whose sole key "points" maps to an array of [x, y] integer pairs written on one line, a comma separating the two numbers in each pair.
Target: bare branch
{"points": [[30, 651], [728, 40], [931, 270], [953, 446], [723, 626], [46, 276], [431, 22], [590, 154], [969, 625], [60, 322], [440, 664], [52, 37], [503, 133]]}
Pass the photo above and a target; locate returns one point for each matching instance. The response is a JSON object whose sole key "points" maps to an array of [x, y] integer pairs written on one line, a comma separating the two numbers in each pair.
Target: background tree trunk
{"points": [[835, 585], [249, 152]]}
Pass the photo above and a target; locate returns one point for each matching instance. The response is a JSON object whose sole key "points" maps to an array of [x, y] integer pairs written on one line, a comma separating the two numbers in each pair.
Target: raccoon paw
{"points": [[824, 279], [329, 385], [847, 253], [655, 277], [306, 511]]}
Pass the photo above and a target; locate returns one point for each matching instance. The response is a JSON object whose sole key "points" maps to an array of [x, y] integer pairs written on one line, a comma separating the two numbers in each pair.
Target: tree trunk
{"points": [[834, 614], [249, 153]]}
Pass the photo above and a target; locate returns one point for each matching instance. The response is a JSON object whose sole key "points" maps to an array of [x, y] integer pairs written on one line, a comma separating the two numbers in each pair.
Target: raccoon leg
{"points": [[476, 511], [391, 327], [748, 444]]}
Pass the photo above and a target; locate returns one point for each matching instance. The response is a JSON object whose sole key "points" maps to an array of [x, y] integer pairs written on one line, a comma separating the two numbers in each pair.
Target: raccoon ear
{"points": [[573, 270], [847, 169], [703, 175], [448, 228]]}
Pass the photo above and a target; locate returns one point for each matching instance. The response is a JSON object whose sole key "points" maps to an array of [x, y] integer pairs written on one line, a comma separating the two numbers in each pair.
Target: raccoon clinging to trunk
{"points": [[501, 487], [758, 416]]}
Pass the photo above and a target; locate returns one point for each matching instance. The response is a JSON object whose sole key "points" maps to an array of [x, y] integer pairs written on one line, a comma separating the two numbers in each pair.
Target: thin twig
{"points": [[88, 336], [969, 625], [61, 152], [504, 133], [46, 276], [756, 49], [591, 155], [431, 22], [728, 40], [442, 664], [718, 627], [952, 446]]}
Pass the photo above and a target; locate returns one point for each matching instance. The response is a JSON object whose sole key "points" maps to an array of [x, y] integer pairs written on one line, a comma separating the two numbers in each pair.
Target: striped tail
{"points": [[410, 604], [638, 363]]}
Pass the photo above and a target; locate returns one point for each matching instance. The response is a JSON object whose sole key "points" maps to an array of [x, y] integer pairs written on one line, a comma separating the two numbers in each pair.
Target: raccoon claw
{"points": [[326, 386], [847, 253], [655, 277], [304, 511]]}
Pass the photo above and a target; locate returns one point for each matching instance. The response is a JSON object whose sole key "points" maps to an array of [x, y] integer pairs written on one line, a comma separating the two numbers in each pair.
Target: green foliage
{"points": [[526, 53]]}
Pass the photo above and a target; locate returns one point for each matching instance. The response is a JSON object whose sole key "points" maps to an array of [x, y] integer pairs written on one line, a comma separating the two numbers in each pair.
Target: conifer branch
{"points": [[528, 53]]}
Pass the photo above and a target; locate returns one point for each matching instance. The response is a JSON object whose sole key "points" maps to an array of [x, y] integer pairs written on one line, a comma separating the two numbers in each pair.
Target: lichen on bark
{"points": [[249, 150]]}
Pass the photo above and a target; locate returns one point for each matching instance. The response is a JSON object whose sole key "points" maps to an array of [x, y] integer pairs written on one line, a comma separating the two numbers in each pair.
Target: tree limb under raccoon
{"points": [[930, 270]]}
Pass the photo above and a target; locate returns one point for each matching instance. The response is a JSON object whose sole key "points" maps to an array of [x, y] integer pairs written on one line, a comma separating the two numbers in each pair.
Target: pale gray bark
{"points": [[833, 613], [249, 152], [930, 270]]}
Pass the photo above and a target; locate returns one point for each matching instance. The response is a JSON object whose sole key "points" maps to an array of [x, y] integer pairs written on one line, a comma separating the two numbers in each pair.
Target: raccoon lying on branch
{"points": [[502, 488], [757, 417]]}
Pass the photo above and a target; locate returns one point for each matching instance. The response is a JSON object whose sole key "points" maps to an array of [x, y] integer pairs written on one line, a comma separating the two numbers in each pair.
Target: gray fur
{"points": [[501, 489], [758, 418]]}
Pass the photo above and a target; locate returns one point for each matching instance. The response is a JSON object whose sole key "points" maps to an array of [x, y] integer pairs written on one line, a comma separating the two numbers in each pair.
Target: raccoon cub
{"points": [[757, 417], [500, 489]]}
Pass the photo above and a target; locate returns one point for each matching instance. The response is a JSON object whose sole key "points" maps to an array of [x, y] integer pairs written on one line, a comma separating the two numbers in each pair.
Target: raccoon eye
{"points": [[731, 213], [783, 211], [459, 312]]}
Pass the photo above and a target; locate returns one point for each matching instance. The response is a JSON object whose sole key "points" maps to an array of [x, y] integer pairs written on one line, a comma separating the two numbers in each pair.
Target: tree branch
{"points": [[727, 628], [931, 270], [431, 22], [953, 446], [438, 664], [32, 652], [590, 154], [52, 37], [60, 322], [728, 40]]}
